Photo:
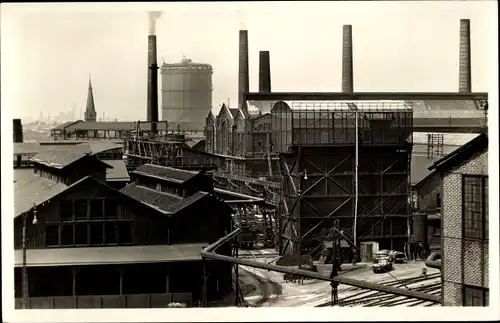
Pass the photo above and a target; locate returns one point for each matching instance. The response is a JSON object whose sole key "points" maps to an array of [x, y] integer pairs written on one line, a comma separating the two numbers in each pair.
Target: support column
{"points": [[74, 271], [167, 280], [120, 272], [237, 278], [204, 300]]}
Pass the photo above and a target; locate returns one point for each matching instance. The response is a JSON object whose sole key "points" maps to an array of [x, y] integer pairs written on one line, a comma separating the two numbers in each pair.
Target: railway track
{"points": [[370, 298]]}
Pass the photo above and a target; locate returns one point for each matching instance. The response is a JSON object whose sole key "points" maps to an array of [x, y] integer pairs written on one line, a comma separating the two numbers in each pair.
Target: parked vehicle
{"points": [[382, 264], [399, 257]]}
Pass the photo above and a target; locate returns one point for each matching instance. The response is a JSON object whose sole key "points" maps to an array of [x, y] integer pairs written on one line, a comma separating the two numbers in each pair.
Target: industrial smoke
{"points": [[153, 16]]}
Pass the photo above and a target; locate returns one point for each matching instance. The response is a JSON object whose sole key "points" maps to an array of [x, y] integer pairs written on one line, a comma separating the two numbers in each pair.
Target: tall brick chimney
{"points": [[347, 68], [464, 82], [243, 77], [264, 72]]}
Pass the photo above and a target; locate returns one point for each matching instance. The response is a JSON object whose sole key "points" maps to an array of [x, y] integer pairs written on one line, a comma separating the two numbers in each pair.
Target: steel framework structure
{"points": [[317, 146]]}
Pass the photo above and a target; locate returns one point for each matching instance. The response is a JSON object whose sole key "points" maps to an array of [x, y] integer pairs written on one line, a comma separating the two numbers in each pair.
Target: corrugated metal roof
{"points": [[153, 198], [167, 173], [119, 171], [371, 106], [110, 255], [30, 189], [165, 202]]}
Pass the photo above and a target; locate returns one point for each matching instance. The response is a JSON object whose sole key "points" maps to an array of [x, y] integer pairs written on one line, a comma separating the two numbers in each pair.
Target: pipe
{"points": [[209, 253], [434, 260]]}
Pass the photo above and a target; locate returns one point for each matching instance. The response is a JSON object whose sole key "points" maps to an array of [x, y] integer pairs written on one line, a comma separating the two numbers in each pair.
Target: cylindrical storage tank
{"points": [[419, 227], [17, 128], [186, 92]]}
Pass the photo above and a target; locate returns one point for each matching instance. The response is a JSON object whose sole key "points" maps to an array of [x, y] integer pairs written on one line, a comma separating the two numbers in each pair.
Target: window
{"points": [[475, 296], [110, 233], [81, 209], [125, 233], [111, 209], [51, 235], [96, 233], [67, 235], [474, 208], [96, 210], [438, 201], [81, 234], [66, 210]]}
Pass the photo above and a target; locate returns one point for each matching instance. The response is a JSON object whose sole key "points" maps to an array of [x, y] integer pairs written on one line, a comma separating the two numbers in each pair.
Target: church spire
{"points": [[90, 113]]}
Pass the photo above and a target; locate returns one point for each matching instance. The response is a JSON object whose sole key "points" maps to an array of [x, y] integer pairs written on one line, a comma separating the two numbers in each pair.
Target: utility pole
{"points": [[25, 269]]}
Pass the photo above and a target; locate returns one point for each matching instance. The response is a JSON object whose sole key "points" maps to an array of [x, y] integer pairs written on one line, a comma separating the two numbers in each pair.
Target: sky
{"points": [[49, 50]]}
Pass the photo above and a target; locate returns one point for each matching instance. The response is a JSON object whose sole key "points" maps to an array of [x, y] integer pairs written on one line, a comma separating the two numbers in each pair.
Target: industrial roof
{"points": [[166, 173], [100, 146], [446, 105], [479, 143], [165, 202], [451, 139], [410, 96], [119, 171], [110, 255], [61, 157], [31, 189], [132, 125], [66, 124], [371, 106], [26, 148]]}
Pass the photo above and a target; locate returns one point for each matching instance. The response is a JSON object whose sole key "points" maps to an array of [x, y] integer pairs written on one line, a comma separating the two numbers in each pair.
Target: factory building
{"points": [[186, 92], [145, 255], [465, 237]]}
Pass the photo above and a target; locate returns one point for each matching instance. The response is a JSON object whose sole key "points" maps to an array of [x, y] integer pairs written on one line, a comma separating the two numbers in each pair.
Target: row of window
{"points": [[88, 234], [475, 207], [83, 209]]}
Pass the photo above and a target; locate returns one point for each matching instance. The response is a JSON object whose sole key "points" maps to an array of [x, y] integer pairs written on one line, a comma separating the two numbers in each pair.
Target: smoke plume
{"points": [[153, 16]]}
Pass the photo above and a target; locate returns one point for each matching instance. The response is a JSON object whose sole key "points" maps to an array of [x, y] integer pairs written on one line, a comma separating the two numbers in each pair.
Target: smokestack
{"points": [[347, 70], [464, 82], [264, 72], [243, 81], [18, 130], [152, 99]]}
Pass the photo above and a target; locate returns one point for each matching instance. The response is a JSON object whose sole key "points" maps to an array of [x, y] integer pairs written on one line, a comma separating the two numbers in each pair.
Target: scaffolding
{"points": [[319, 144]]}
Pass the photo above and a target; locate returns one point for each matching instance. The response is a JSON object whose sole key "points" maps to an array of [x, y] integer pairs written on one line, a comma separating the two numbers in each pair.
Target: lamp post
{"points": [[25, 270]]}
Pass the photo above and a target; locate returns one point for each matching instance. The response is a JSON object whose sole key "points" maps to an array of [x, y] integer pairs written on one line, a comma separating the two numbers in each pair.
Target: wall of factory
{"points": [[186, 92], [465, 261], [138, 226]]}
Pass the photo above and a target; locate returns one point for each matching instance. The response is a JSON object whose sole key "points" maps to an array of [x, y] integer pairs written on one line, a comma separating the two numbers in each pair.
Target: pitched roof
{"points": [[61, 157], [31, 189], [119, 171], [234, 112], [480, 143], [66, 124], [165, 202], [166, 173], [26, 148]]}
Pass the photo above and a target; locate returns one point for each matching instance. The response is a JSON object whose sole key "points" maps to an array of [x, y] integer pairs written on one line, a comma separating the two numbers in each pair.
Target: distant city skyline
{"points": [[410, 46]]}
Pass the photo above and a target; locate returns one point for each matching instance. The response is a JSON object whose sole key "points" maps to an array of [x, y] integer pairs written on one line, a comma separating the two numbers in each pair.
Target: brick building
{"points": [[465, 224]]}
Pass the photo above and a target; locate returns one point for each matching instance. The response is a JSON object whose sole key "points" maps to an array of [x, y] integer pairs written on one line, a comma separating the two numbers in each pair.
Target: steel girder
{"points": [[318, 187]]}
